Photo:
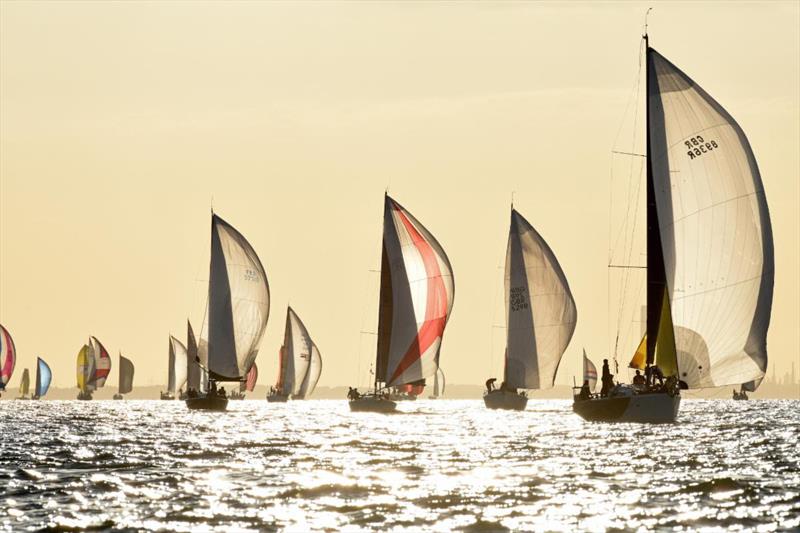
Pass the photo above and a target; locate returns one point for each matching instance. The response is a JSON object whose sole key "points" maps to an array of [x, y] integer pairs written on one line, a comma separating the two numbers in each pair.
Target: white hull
{"points": [[500, 399]]}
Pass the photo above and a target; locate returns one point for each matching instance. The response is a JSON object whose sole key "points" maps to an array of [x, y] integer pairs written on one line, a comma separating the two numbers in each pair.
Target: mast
{"points": [[384, 265]]}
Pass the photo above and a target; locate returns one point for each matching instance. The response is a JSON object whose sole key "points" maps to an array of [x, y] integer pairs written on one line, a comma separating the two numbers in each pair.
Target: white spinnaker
{"points": [[312, 375], [715, 231], [422, 296], [238, 303], [297, 353], [540, 310], [178, 365]]}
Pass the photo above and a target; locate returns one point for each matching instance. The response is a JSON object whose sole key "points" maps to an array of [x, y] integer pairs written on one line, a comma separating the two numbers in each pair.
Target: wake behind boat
{"points": [[710, 266], [236, 317], [416, 298], [540, 317]]}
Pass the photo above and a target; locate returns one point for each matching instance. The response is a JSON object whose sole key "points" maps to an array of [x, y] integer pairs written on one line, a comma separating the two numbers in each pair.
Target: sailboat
{"points": [[744, 388], [8, 357], [94, 365], [416, 298], [438, 385], [710, 265], [125, 377], [247, 385], [196, 376], [177, 369], [299, 362], [540, 317], [43, 378], [236, 317], [25, 386]]}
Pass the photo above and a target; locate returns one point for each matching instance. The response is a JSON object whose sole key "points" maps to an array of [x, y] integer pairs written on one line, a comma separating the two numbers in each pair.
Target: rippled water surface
{"points": [[440, 465]]}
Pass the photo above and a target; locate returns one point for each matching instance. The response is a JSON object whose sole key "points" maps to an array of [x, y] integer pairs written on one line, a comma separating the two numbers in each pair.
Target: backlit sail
{"points": [[25, 383], [238, 303], [715, 232], [540, 310], [296, 354], [416, 298], [178, 366], [85, 369], [589, 372], [8, 357], [250, 382], [195, 375], [312, 374], [125, 375], [43, 377], [102, 363]]}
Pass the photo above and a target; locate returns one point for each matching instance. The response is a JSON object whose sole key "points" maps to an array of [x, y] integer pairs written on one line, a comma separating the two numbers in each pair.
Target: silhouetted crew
{"points": [[657, 375], [638, 379], [585, 393], [608, 379], [490, 384]]}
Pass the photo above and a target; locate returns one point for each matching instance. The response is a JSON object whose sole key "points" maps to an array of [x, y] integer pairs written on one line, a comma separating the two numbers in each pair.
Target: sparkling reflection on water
{"points": [[441, 465]]}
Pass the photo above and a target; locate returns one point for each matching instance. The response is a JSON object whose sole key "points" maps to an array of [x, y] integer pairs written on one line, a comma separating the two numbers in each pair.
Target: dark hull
{"points": [[118, 397], [658, 407], [281, 398], [207, 403], [167, 396], [499, 399], [372, 404]]}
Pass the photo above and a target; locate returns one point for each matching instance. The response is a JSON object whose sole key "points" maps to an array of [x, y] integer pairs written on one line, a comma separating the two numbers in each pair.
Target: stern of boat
{"points": [[501, 399]]}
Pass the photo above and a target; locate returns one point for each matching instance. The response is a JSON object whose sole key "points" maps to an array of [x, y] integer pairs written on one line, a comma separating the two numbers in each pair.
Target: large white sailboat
{"points": [[299, 362], [236, 317], [540, 317], [416, 298], [710, 265]]}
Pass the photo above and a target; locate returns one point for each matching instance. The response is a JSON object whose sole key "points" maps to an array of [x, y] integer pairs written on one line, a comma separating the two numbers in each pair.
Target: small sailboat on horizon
{"points": [[248, 385], [299, 362], [43, 378], [25, 385], [540, 317], [177, 369], [710, 264], [93, 366], [126, 371], [416, 299], [8, 358], [236, 315]]}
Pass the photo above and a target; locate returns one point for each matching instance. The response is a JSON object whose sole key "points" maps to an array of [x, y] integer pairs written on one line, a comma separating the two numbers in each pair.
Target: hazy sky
{"points": [[120, 122]]}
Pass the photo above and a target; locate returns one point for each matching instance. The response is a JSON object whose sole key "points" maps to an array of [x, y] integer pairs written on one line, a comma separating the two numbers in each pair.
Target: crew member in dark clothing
{"points": [[585, 393], [608, 379], [490, 384]]}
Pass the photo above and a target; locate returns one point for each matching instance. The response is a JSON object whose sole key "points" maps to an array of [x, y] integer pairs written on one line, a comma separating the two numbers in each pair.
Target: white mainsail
{"points": [[540, 310], [417, 291], [296, 354], [238, 304], [715, 231], [178, 365]]}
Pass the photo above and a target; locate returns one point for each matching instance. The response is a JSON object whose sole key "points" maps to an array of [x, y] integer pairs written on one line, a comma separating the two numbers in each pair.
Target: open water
{"points": [[441, 465]]}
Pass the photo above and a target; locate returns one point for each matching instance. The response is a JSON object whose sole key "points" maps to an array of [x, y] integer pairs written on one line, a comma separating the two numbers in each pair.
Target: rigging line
{"points": [[628, 153]]}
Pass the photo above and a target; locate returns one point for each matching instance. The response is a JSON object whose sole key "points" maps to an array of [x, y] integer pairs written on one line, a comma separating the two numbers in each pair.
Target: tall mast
{"points": [[383, 253]]}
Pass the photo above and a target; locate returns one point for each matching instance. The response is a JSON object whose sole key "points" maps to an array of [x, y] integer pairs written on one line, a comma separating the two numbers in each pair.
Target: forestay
{"points": [[540, 310], [238, 303], [417, 291], [715, 231]]}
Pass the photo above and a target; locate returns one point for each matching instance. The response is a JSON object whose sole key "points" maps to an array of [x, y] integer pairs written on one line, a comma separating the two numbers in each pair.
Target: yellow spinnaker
{"points": [[666, 355], [82, 364]]}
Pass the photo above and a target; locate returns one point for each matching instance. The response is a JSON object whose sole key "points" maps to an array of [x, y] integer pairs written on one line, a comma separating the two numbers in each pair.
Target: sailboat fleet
{"points": [[710, 275]]}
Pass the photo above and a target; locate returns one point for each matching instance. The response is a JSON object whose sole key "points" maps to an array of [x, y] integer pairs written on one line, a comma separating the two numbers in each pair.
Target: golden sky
{"points": [[120, 122]]}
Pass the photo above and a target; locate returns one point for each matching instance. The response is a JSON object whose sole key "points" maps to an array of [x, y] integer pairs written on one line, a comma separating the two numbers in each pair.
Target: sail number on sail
{"points": [[699, 146], [518, 299]]}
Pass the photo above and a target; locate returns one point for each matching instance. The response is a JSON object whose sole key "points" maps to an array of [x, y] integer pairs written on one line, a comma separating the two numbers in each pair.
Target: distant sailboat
{"points": [[43, 378], [8, 357], [750, 386], [25, 386], [710, 265], [438, 385], [177, 369], [299, 362], [416, 298], [540, 317], [125, 377], [238, 307], [93, 365], [247, 385]]}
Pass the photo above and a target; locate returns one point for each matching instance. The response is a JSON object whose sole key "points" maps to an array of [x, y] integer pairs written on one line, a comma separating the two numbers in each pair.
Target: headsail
{"points": [[238, 303], [296, 353], [8, 357], [43, 377], [177, 365], [25, 383], [195, 376], [715, 232], [417, 291], [102, 363], [540, 310], [312, 374], [85, 369], [125, 375], [589, 371]]}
